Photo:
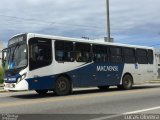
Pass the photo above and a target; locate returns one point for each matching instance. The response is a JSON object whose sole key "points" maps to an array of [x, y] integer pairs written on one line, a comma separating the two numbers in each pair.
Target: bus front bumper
{"points": [[21, 86]]}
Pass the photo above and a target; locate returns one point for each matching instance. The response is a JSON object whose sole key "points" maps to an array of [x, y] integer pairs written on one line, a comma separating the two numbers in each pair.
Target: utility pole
{"points": [[108, 20]]}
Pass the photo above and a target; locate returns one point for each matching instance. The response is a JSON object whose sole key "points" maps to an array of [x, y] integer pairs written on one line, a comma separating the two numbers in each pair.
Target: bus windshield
{"points": [[16, 57]]}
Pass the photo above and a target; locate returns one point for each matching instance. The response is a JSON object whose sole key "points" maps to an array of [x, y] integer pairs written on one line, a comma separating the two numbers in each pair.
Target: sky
{"points": [[132, 21]]}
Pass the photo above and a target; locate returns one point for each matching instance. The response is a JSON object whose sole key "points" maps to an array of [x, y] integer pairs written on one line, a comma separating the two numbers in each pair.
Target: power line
{"points": [[50, 22], [35, 23], [26, 19]]}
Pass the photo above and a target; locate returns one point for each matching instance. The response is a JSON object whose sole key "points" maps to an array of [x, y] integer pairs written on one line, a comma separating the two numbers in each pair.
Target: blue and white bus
{"points": [[50, 63]]}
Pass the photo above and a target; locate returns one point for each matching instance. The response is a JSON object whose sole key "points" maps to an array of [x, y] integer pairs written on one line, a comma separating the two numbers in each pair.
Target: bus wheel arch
{"points": [[127, 82], [63, 85]]}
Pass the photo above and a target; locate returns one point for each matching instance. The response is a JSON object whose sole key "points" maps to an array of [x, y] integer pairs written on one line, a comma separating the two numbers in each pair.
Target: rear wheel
{"points": [[127, 83], [42, 92], [103, 88], [63, 86]]}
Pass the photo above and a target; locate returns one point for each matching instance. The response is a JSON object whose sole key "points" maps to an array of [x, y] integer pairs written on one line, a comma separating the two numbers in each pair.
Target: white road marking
{"points": [[143, 110], [127, 113]]}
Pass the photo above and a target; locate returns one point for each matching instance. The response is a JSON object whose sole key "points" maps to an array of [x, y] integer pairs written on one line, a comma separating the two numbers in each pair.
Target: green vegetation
{"points": [[1, 74]]}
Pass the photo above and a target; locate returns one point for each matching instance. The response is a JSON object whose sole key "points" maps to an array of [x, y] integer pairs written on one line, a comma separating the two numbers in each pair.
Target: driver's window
{"points": [[40, 53], [4, 56]]}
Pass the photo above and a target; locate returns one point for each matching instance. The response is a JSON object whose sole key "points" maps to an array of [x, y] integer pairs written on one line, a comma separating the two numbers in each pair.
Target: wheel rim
{"points": [[127, 81], [62, 85]]}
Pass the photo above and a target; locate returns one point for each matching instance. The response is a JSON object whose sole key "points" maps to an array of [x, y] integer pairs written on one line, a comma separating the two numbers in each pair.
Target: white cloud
{"points": [[130, 19]]}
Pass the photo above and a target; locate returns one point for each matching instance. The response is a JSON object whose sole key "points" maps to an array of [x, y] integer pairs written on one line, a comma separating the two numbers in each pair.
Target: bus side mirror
{"points": [[4, 56]]}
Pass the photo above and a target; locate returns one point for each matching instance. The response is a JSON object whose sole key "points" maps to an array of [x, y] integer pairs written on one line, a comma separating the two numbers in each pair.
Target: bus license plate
{"points": [[9, 85]]}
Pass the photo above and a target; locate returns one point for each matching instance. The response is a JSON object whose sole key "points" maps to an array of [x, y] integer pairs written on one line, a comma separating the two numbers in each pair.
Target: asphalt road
{"points": [[83, 104]]}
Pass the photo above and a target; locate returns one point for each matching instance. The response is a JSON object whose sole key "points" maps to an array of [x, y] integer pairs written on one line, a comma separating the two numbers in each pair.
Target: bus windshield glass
{"points": [[16, 56]]}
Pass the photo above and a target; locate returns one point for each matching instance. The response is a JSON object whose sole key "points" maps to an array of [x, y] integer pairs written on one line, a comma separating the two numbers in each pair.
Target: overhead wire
{"points": [[51, 22]]}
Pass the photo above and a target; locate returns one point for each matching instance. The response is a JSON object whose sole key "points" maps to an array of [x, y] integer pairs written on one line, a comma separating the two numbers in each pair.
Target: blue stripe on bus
{"points": [[46, 82], [11, 79], [95, 74], [90, 76]]}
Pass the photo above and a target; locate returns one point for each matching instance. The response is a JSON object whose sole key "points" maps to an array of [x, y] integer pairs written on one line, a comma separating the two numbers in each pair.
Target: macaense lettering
{"points": [[107, 68]]}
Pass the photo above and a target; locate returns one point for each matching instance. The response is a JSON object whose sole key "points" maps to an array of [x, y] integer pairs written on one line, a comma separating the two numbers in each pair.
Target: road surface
{"points": [[84, 104]]}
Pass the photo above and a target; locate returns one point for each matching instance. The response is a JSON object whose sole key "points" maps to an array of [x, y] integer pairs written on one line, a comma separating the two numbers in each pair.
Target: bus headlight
{"points": [[24, 76], [21, 77]]}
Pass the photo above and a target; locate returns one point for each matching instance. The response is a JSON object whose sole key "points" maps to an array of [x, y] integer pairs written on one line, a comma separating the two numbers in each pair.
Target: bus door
{"points": [[157, 66], [138, 73], [150, 66], [144, 66]]}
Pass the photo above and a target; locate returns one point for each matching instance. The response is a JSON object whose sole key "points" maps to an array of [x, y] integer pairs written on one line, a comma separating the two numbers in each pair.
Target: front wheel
{"points": [[62, 86], [127, 83], [42, 92]]}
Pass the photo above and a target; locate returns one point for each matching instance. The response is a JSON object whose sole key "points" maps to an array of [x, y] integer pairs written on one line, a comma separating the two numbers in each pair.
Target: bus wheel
{"points": [[103, 88], [127, 82], [42, 92], [63, 86]]}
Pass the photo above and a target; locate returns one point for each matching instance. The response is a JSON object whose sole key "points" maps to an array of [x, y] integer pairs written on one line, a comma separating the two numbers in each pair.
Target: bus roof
{"points": [[95, 41]]}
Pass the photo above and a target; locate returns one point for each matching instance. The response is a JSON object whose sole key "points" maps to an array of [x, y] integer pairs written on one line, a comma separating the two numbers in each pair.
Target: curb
{"points": [[2, 91]]}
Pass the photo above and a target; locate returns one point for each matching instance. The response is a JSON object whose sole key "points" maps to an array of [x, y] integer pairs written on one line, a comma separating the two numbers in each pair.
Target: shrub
{"points": [[1, 75]]}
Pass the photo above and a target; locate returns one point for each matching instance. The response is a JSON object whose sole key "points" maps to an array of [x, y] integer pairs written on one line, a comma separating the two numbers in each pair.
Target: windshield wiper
{"points": [[20, 66], [17, 45]]}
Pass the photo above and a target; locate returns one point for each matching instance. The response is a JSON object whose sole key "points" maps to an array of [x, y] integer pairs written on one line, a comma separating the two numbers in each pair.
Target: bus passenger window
{"points": [[64, 51], [116, 55], [150, 56], [142, 56], [129, 55], [100, 53], [83, 53], [79, 56], [40, 53]]}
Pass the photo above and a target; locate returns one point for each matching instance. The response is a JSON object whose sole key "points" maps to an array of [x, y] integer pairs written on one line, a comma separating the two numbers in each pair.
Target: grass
{"points": [[1, 75]]}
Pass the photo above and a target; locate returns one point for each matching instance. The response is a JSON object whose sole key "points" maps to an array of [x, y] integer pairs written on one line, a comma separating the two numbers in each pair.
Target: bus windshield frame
{"points": [[17, 53]]}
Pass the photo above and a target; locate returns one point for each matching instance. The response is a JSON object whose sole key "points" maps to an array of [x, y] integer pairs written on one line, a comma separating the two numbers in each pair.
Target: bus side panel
{"points": [[84, 75], [40, 83], [131, 69], [141, 73], [97, 74]]}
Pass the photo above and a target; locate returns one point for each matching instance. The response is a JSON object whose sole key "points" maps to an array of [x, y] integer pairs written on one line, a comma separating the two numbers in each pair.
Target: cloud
{"points": [[131, 20]]}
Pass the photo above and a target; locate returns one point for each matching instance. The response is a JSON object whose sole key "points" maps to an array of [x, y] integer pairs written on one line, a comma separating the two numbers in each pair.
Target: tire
{"points": [[103, 88], [62, 86], [127, 83], [42, 92]]}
